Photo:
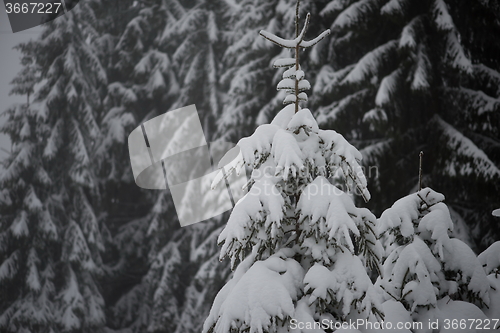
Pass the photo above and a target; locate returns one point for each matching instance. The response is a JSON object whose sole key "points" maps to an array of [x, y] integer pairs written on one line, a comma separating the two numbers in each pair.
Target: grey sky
{"points": [[9, 66]]}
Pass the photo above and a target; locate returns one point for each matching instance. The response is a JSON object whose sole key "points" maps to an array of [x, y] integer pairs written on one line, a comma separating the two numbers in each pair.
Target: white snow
{"points": [[115, 122], [299, 75], [212, 29], [490, 258], [19, 226], [387, 88], [53, 141], [304, 313], [328, 211], [73, 300], [347, 283], [456, 52], [254, 300], [32, 278], [489, 75], [454, 311], [393, 7], [286, 43], [283, 117], [19, 163], [31, 200], [354, 14], [286, 84], [493, 312], [394, 313], [25, 130], [334, 6], [369, 63], [328, 113], [411, 271], [302, 97], [303, 118], [77, 250], [464, 149], [327, 78], [287, 155], [261, 207], [77, 146], [258, 143], [374, 115], [284, 62], [339, 151], [479, 101], [42, 176], [401, 215], [127, 95], [460, 228], [438, 222], [304, 85], [9, 267], [421, 75], [408, 37], [47, 226], [312, 42], [442, 16]]}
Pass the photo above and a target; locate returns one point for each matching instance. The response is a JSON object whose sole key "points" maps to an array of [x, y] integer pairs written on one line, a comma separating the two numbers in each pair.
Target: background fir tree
{"points": [[404, 76], [143, 86], [51, 234], [172, 65]]}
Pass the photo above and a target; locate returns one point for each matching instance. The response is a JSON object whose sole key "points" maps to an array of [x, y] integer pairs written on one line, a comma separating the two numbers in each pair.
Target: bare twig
{"points": [[297, 19], [420, 171]]}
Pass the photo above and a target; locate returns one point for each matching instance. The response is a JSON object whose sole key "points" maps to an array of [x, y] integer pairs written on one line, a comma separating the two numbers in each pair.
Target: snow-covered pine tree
{"points": [[490, 259], [301, 244], [402, 75], [432, 275], [51, 241]]}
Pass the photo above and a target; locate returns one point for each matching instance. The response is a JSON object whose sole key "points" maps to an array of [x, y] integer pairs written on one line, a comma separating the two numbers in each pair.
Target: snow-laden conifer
{"points": [[429, 272], [301, 244], [490, 259]]}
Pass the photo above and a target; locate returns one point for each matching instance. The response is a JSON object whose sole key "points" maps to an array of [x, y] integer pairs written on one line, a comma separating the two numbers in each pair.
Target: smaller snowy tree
{"points": [[304, 246], [432, 275], [490, 259]]}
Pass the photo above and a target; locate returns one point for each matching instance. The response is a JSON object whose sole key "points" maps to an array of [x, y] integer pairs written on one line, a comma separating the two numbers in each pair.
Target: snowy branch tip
{"points": [[298, 41]]}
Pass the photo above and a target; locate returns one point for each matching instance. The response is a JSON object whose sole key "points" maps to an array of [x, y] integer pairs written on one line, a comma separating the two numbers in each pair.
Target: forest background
{"points": [[83, 248]]}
